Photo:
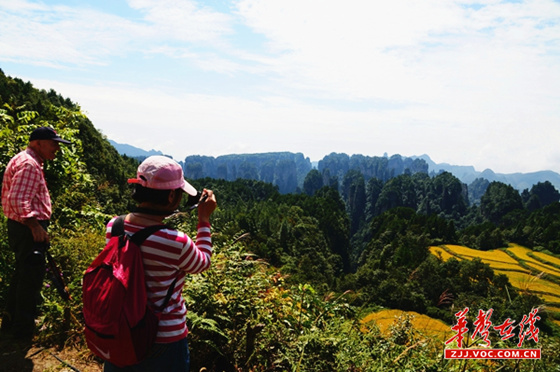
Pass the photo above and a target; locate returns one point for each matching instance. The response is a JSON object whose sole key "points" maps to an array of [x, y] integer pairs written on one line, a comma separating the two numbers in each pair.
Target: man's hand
{"points": [[39, 234]]}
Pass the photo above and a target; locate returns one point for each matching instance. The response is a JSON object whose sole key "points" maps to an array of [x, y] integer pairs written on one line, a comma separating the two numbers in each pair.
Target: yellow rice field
{"points": [[531, 283], [552, 309], [544, 268], [521, 252], [430, 327], [502, 263], [440, 252], [549, 258], [548, 299], [493, 255], [506, 266], [497, 259]]}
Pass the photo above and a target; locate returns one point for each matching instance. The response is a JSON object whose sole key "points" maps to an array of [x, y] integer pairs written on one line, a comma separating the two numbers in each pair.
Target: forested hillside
{"points": [[295, 273]]}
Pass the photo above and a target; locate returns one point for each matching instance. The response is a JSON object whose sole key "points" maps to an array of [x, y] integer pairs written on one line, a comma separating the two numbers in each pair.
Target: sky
{"points": [[465, 82]]}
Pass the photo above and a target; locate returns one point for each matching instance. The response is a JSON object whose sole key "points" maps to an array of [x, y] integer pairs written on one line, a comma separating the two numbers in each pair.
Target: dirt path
{"points": [[19, 357]]}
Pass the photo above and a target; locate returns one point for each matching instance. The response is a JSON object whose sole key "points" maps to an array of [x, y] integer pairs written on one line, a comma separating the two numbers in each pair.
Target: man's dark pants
{"points": [[25, 288]]}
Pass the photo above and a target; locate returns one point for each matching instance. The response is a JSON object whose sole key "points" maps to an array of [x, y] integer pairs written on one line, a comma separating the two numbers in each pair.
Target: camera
{"points": [[193, 201]]}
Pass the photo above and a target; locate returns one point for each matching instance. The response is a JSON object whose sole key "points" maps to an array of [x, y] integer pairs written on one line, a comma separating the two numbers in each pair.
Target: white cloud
{"points": [[396, 51], [183, 20], [463, 81], [61, 36]]}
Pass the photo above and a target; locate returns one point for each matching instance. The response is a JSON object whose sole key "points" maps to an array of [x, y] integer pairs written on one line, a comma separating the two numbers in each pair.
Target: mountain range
{"points": [[520, 181], [466, 174], [133, 152]]}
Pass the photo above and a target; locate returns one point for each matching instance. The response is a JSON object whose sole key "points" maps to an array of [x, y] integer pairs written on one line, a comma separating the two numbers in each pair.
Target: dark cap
{"points": [[46, 133]]}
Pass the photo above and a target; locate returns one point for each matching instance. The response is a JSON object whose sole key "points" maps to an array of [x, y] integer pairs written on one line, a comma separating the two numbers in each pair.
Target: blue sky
{"points": [[466, 82]]}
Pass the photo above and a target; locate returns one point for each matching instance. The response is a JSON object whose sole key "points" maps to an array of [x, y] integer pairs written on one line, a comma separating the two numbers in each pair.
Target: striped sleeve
{"points": [[197, 257]]}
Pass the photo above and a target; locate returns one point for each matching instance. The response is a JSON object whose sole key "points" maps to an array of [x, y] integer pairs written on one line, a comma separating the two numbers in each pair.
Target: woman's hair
{"points": [[144, 194]]}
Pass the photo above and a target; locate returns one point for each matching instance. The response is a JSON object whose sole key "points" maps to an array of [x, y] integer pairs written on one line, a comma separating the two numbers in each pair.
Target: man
{"points": [[27, 205], [168, 254]]}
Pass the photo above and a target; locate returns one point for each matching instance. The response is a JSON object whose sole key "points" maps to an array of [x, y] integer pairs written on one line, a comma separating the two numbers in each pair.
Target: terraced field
{"points": [[542, 257], [385, 319], [497, 256], [441, 253], [527, 255], [530, 271]]}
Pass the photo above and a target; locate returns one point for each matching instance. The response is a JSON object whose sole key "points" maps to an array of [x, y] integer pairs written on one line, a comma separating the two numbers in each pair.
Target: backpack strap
{"points": [[168, 295], [138, 238]]}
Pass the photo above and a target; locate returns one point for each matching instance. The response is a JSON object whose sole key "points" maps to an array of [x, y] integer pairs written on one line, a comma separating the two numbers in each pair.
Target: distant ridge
{"points": [[133, 152], [286, 170], [520, 181], [465, 173]]}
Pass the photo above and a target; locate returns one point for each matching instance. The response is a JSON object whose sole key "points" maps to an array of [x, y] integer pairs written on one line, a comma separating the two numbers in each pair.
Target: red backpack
{"points": [[120, 325]]}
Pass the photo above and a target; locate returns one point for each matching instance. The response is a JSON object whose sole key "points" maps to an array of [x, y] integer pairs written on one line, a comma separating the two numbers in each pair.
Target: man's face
{"points": [[47, 149]]}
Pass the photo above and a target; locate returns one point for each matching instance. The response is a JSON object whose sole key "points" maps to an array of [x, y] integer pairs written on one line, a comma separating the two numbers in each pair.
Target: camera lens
{"points": [[192, 200]]}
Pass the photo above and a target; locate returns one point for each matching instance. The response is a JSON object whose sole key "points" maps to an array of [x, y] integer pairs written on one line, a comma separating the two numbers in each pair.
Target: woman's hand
{"points": [[206, 207]]}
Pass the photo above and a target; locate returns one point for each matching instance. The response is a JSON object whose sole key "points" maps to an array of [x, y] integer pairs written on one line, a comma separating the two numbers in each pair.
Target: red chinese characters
{"points": [[483, 325]]}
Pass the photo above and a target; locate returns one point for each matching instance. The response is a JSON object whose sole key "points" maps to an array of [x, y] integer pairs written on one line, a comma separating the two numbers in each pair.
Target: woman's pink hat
{"points": [[162, 173]]}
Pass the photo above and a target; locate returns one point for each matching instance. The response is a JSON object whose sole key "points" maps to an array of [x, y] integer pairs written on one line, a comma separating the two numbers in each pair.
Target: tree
{"points": [[445, 194], [313, 182], [499, 200], [397, 192], [541, 229], [327, 207], [541, 195]]}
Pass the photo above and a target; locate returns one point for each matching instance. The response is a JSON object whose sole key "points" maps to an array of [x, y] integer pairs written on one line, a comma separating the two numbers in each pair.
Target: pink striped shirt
{"points": [[168, 254], [24, 189]]}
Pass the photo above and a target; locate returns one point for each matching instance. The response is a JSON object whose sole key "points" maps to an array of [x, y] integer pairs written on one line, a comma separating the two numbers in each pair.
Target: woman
{"points": [[168, 255]]}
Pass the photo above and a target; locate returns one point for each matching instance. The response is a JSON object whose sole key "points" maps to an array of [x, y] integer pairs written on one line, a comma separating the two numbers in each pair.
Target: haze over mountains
{"points": [[466, 174]]}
